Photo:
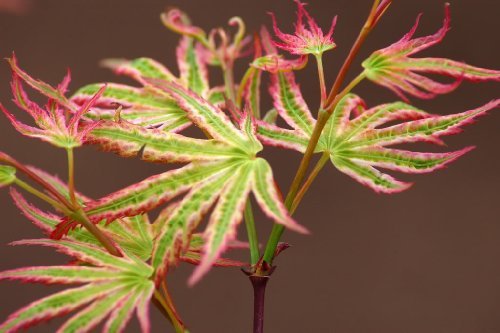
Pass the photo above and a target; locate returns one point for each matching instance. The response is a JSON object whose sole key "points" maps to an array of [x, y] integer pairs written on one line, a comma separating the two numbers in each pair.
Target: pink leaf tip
{"points": [[393, 68], [308, 37]]}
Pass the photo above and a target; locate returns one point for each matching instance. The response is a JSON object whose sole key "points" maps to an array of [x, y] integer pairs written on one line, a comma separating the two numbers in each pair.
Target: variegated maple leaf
{"points": [[393, 68], [113, 287], [222, 170], [274, 62], [135, 235], [54, 122], [305, 40], [142, 105], [356, 140]]}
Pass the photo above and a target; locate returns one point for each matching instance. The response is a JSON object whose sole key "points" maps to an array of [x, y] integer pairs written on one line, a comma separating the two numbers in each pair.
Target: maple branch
{"points": [[259, 284], [323, 115], [312, 176], [370, 23]]}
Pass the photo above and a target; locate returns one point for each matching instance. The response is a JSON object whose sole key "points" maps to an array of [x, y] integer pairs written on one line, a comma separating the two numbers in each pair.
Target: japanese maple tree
{"points": [[120, 255]]}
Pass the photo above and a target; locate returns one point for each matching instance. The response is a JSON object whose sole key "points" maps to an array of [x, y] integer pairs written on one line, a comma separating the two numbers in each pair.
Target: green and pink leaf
{"points": [[192, 67], [129, 140], [153, 191], [203, 114], [393, 68], [139, 69], [290, 104], [227, 214]]}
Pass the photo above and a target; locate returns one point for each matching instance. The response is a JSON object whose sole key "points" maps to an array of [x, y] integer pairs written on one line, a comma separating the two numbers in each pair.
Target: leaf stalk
{"points": [[71, 176], [321, 77], [252, 234], [30, 189], [170, 313], [310, 179]]}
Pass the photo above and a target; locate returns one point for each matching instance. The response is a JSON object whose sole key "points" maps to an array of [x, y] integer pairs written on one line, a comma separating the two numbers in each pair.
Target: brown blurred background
{"points": [[424, 261]]}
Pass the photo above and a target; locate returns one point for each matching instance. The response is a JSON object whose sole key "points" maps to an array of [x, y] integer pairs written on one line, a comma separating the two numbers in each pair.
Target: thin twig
{"points": [[178, 326], [36, 178], [312, 176], [323, 116]]}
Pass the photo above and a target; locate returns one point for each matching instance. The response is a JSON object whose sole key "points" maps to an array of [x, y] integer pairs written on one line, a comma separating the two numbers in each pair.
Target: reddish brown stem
{"points": [[259, 284], [373, 18]]}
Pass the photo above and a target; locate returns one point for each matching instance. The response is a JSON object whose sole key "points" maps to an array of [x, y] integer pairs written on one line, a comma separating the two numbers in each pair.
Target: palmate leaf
{"points": [[144, 106], [114, 288], [357, 140], [222, 171], [308, 37], [135, 235], [132, 234], [53, 121], [272, 61], [394, 68], [139, 106]]}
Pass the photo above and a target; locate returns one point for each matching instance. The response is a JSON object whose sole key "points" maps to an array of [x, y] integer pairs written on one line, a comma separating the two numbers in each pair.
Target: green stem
{"points": [[171, 311], [60, 203], [81, 217], [78, 215], [321, 76], [168, 299], [312, 176], [252, 234], [71, 176], [323, 116], [30, 189], [272, 242], [178, 326], [27, 171]]}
